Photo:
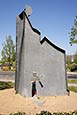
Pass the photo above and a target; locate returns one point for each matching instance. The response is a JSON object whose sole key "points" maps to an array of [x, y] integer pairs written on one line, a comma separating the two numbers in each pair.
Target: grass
{"points": [[73, 88], [6, 85], [72, 80]]}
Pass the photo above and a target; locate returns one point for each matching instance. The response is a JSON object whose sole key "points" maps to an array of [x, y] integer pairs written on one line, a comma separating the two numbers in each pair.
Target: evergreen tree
{"points": [[8, 51], [73, 33]]}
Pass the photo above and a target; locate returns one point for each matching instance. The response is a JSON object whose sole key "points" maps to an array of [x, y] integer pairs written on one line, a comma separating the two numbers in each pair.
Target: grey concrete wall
{"points": [[48, 62], [19, 36]]}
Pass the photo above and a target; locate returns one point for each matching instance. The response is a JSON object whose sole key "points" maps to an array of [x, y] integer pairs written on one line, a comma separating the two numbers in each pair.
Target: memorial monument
{"points": [[39, 56]]}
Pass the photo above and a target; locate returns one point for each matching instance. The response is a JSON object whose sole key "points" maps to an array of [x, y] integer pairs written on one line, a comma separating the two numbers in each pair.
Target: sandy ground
{"points": [[11, 103]]}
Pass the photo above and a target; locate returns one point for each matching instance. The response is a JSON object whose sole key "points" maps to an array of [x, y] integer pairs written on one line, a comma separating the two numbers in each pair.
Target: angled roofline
{"points": [[21, 17], [35, 30], [53, 45]]}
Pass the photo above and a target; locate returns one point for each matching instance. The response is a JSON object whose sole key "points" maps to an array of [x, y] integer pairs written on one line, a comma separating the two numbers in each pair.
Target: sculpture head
{"points": [[28, 10], [34, 74]]}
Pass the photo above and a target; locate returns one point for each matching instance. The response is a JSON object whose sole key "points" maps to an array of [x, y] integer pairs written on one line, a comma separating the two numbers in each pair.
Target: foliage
{"points": [[68, 67], [6, 85], [44, 113], [73, 67], [75, 58], [73, 33], [18, 113], [71, 62], [72, 88], [72, 81], [8, 51], [64, 113]]}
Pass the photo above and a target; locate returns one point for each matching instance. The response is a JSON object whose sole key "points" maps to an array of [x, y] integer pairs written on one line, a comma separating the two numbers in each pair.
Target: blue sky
{"points": [[53, 18]]}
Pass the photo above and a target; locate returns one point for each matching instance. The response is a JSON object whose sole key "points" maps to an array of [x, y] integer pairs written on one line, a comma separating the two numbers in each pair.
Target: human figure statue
{"points": [[34, 79]]}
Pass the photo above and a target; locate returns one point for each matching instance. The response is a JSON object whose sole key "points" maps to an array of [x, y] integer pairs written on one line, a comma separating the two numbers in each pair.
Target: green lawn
{"points": [[72, 80], [72, 88]]}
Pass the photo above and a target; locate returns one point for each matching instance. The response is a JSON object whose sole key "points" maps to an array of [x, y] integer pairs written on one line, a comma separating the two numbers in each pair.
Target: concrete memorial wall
{"points": [[38, 56]]}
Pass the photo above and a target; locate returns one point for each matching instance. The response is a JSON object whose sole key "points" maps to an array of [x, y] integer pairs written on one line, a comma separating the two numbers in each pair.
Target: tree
{"points": [[75, 58], [73, 33], [8, 51]]}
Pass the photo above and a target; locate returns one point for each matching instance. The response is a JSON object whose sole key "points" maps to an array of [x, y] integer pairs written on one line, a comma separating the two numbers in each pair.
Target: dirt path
{"points": [[11, 103]]}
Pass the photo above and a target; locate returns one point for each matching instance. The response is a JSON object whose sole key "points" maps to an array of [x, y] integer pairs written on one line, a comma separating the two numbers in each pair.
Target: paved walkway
{"points": [[72, 84], [7, 76]]}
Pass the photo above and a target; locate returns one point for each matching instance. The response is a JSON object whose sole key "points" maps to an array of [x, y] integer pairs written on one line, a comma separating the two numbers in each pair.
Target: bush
{"points": [[6, 85], [48, 113], [68, 67], [19, 113], [44, 113], [73, 67]]}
